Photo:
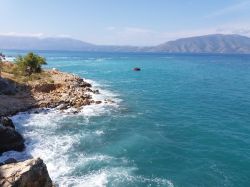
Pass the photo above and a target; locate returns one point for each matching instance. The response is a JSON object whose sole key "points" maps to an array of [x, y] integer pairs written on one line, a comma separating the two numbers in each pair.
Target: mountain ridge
{"points": [[215, 43]]}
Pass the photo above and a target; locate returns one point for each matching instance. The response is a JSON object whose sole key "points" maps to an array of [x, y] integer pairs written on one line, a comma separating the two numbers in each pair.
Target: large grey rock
{"points": [[10, 139], [30, 173]]}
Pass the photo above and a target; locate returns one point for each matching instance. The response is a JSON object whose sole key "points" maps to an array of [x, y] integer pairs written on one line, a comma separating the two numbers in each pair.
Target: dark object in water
{"points": [[137, 69]]}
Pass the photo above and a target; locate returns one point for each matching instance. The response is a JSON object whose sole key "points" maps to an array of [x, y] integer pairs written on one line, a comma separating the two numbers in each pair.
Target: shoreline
{"points": [[64, 92]]}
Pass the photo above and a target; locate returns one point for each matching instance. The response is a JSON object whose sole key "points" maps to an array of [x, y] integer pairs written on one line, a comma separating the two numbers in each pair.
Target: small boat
{"points": [[137, 69]]}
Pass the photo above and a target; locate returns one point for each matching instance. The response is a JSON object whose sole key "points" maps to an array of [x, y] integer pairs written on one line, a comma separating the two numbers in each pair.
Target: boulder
{"points": [[98, 102], [10, 139], [137, 69], [96, 92], [63, 106], [30, 173], [7, 122], [85, 84]]}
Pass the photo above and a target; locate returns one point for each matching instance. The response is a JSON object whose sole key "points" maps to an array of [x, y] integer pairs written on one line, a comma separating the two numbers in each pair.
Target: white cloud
{"points": [[110, 28], [38, 35], [23, 34], [146, 37]]}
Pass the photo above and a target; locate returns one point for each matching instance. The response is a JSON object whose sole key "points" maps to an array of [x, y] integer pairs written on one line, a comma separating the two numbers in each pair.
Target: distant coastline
{"points": [[208, 44]]}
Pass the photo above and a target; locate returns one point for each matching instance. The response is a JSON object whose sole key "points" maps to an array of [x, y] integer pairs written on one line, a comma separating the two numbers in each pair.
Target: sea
{"points": [[182, 121]]}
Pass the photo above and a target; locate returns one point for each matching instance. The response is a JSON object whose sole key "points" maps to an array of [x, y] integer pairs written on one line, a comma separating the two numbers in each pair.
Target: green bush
{"points": [[30, 63]]}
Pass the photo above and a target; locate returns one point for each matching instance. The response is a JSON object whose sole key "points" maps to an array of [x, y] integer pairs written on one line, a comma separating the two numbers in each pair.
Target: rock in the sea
{"points": [[7, 122], [98, 102], [10, 139], [85, 84], [137, 69], [96, 91], [30, 173]]}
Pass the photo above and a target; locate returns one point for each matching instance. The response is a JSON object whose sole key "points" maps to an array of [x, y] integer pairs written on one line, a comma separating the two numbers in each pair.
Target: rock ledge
{"points": [[30, 173]]}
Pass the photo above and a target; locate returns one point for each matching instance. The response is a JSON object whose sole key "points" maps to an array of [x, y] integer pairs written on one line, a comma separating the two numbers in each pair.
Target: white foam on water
{"points": [[11, 59], [42, 140], [45, 140], [119, 176], [96, 60], [105, 95], [99, 132]]}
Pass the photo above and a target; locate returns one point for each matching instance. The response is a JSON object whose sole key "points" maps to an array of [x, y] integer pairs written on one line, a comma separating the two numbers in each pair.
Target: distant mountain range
{"points": [[216, 43]]}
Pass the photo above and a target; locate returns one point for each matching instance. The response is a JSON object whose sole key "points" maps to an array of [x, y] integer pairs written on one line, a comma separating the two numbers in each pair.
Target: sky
{"points": [[124, 22]]}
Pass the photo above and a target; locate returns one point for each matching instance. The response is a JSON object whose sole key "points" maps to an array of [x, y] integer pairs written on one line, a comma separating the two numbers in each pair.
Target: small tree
{"points": [[31, 63]]}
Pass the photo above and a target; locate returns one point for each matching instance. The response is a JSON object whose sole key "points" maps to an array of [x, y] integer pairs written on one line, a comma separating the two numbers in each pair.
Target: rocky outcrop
{"points": [[53, 89], [46, 87], [30, 173], [7, 122], [65, 92], [6, 87], [10, 139]]}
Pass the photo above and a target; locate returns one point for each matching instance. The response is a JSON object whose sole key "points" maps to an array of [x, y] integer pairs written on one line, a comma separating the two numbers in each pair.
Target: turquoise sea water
{"points": [[183, 121]]}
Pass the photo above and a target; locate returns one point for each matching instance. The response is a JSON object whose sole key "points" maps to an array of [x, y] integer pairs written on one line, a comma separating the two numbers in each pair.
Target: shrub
{"points": [[30, 63]]}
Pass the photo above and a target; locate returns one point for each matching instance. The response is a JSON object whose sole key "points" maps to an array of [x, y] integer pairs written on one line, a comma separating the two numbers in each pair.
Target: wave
{"points": [[10, 59], [97, 59], [104, 93], [115, 177], [57, 137]]}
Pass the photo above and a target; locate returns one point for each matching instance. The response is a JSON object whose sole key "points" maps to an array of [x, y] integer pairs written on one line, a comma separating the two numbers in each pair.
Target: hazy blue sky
{"points": [[133, 22]]}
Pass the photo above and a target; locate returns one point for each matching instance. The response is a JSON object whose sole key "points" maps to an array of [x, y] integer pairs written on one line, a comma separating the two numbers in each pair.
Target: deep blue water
{"points": [[184, 120]]}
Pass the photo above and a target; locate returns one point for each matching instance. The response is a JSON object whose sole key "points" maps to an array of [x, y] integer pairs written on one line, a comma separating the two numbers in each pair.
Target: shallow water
{"points": [[182, 121]]}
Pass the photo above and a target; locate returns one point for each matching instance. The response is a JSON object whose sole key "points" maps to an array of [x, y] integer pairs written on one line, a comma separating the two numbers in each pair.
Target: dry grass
{"points": [[9, 70]]}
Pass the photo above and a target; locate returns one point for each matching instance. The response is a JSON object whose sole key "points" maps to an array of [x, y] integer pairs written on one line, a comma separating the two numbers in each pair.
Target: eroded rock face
{"points": [[10, 139], [30, 173]]}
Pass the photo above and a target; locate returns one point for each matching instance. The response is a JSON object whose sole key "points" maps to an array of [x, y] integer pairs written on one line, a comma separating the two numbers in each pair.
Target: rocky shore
{"points": [[51, 89], [59, 89]]}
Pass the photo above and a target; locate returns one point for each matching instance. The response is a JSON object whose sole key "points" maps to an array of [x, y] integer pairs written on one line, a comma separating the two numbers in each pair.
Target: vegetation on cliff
{"points": [[29, 64], [25, 68]]}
